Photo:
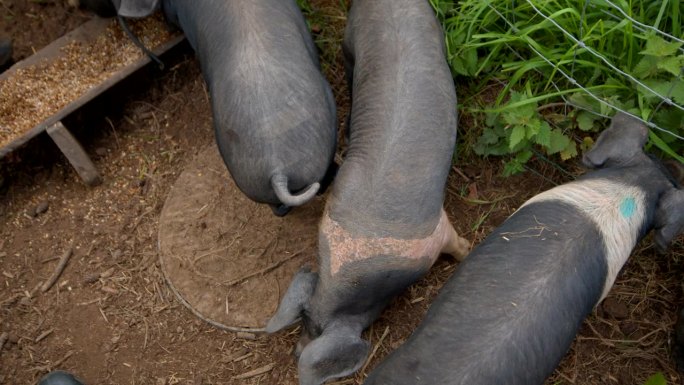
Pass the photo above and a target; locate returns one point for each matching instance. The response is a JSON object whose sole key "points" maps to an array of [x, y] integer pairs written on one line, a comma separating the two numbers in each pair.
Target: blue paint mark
{"points": [[627, 207]]}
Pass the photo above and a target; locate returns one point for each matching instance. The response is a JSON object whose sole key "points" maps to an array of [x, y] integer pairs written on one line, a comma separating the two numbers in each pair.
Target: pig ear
{"points": [[296, 297], [619, 143], [669, 219], [136, 8], [338, 352]]}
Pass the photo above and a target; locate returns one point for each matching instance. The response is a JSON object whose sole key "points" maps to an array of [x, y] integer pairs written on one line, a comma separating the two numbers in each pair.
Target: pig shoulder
{"points": [[618, 211]]}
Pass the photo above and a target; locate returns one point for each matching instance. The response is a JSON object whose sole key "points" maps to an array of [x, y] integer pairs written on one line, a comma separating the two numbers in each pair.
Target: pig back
{"points": [[273, 109], [403, 121]]}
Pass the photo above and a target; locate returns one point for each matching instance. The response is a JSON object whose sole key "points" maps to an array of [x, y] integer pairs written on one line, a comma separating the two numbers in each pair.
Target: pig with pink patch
{"points": [[384, 225]]}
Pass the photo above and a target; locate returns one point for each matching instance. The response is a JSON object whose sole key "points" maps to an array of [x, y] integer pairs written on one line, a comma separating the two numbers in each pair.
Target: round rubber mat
{"points": [[227, 258]]}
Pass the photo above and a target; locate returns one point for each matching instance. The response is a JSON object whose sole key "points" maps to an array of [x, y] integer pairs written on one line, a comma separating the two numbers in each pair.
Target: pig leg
{"points": [[451, 242], [455, 245]]}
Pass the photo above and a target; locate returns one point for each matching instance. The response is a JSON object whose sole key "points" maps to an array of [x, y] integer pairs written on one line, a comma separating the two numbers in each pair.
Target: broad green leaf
{"points": [[587, 143], [558, 142], [657, 46], [543, 137], [464, 62], [470, 60], [523, 156], [612, 100], [569, 152], [532, 128], [585, 101], [459, 66], [517, 135], [672, 65], [670, 119], [656, 379], [516, 165], [489, 136], [673, 89], [491, 118], [512, 167], [646, 67], [585, 120], [521, 115]]}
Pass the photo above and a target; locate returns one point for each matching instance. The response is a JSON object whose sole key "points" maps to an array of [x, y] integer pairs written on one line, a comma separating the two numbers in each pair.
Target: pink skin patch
{"points": [[346, 248]]}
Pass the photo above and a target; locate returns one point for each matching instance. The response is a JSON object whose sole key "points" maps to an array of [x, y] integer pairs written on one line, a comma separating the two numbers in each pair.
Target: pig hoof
{"points": [[280, 210], [458, 247]]}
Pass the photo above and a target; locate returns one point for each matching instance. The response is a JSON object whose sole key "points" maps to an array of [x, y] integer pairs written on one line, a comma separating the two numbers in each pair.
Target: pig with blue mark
{"points": [[274, 112], [510, 312], [384, 225]]}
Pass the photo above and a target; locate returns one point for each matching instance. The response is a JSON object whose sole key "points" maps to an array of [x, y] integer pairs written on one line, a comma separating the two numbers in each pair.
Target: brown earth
{"points": [[228, 258], [111, 318]]}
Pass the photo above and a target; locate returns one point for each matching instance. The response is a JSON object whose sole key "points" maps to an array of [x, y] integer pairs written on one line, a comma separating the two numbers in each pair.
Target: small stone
{"points": [[13, 338], [41, 207]]}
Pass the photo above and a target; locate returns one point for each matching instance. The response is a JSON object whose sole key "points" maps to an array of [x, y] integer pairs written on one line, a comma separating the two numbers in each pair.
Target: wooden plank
{"points": [[74, 153], [86, 32]]}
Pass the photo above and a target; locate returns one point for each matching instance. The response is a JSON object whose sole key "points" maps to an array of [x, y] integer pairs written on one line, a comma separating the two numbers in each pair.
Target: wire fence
{"points": [[598, 56], [665, 99]]}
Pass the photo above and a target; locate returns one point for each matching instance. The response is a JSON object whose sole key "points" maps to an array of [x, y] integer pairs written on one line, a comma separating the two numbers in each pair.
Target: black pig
{"points": [[510, 312], [384, 224], [274, 113]]}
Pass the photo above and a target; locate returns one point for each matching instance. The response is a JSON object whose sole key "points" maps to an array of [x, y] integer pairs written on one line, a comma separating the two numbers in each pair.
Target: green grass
{"points": [[656, 379], [523, 48]]}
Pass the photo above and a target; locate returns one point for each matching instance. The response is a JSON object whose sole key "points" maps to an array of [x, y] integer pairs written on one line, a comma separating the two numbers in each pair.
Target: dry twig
{"points": [[255, 372], [63, 260]]}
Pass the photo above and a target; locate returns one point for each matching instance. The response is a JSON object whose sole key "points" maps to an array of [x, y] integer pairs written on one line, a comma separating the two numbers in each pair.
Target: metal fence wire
{"points": [[599, 56]]}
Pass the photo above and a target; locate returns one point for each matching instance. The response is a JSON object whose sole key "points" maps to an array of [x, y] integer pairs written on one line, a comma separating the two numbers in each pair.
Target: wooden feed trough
{"points": [[40, 91]]}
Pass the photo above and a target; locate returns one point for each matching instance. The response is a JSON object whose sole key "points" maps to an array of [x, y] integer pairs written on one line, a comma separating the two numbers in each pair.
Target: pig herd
{"points": [[511, 310]]}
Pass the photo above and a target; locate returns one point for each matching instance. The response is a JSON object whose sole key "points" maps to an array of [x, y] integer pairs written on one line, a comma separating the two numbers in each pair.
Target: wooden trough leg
{"points": [[75, 153]]}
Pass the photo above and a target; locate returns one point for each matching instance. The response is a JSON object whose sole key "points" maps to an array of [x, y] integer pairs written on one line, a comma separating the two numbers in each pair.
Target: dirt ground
{"points": [[111, 318]]}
